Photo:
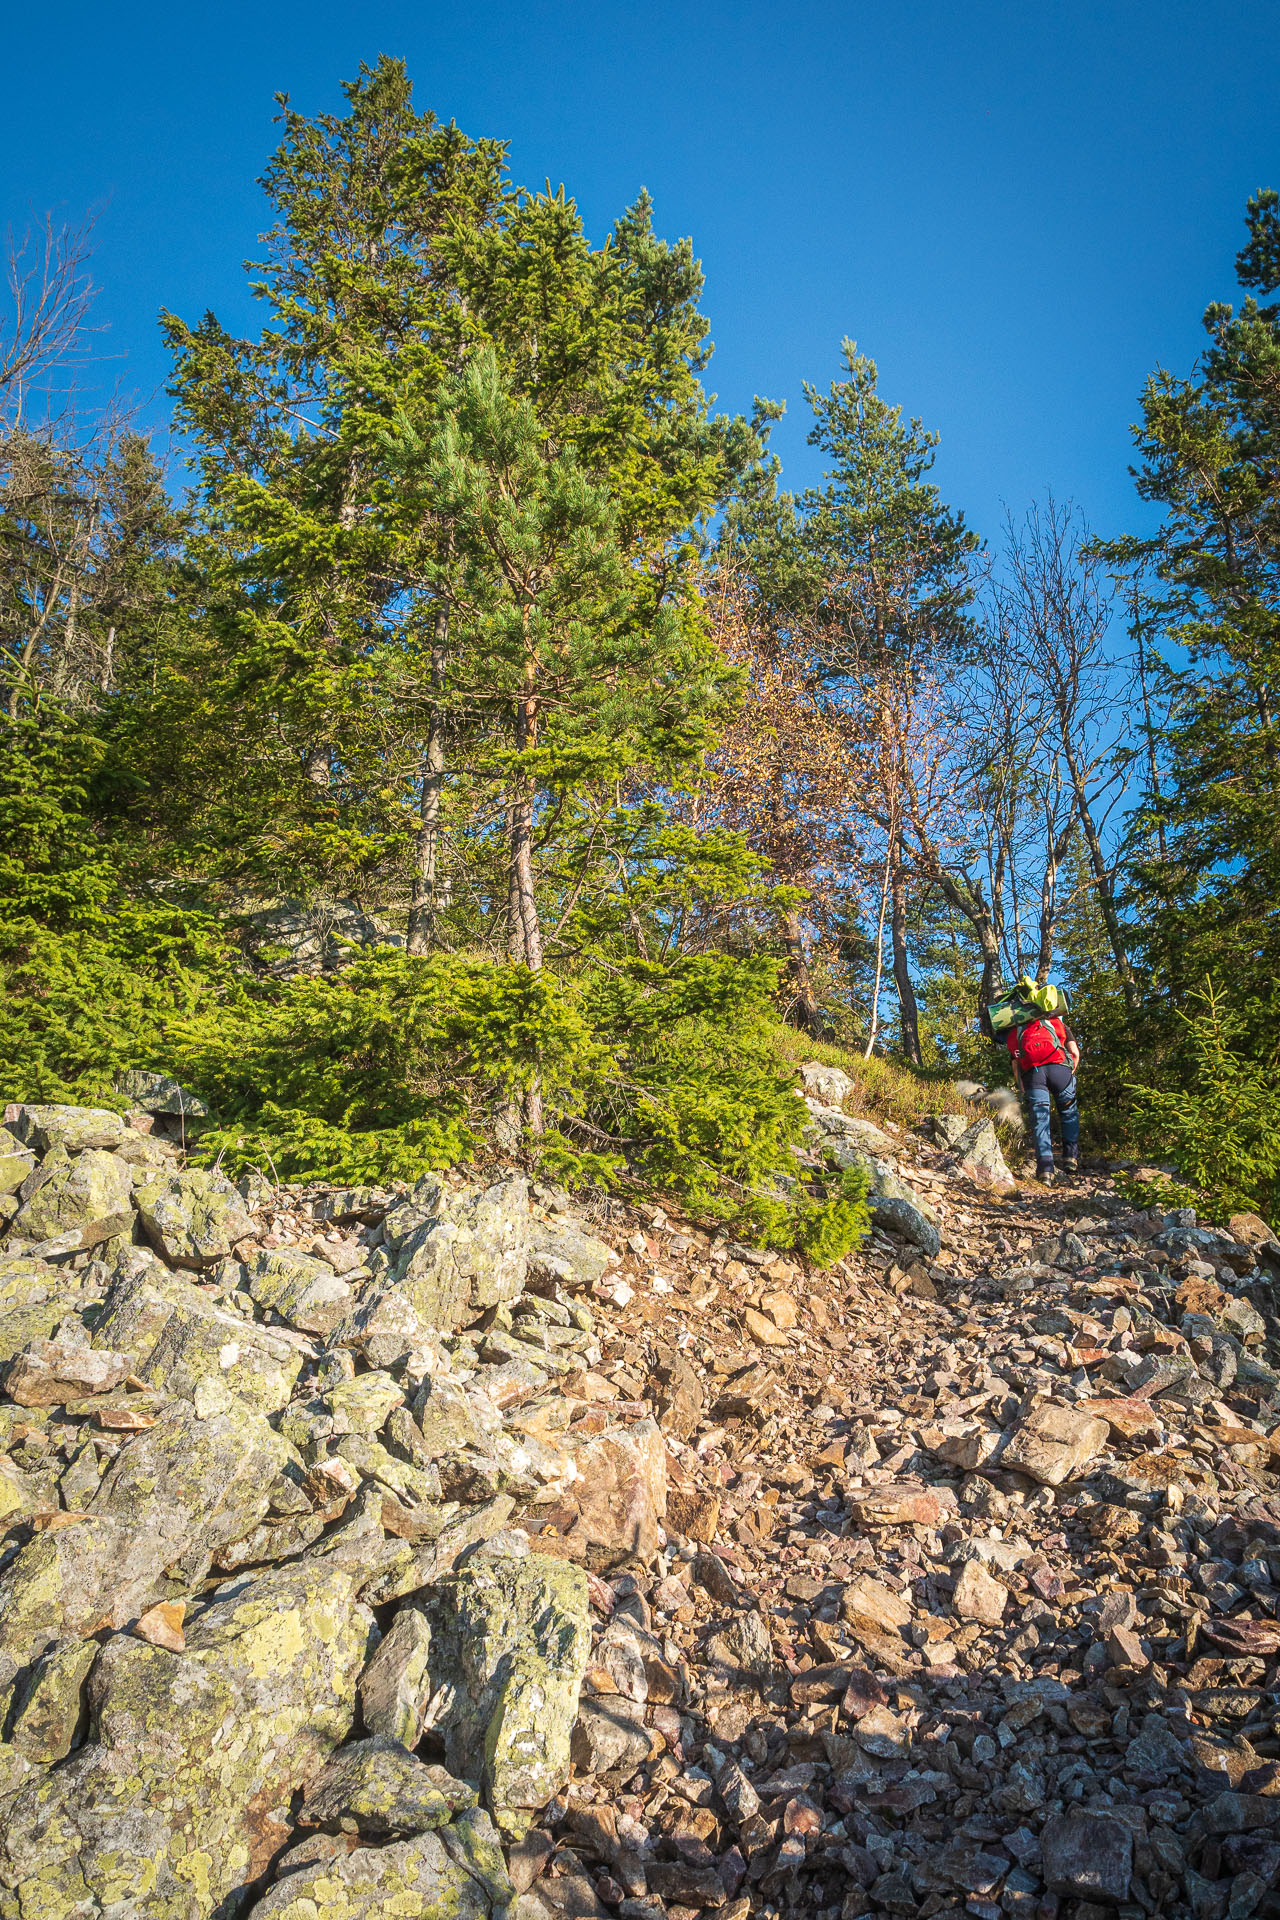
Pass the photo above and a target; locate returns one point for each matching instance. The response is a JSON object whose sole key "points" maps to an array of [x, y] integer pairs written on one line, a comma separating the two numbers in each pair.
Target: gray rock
{"points": [[305, 1292], [744, 1644], [948, 1127], [1089, 1855], [91, 1195], [159, 1093], [459, 1253], [977, 1153], [894, 1207], [376, 1789], [193, 1218], [561, 1254], [396, 1686], [509, 1646], [831, 1086], [457, 1871], [841, 1133], [609, 1735]]}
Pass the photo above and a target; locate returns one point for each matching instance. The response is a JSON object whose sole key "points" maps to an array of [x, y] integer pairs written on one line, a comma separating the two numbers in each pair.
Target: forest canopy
{"points": [[473, 743]]}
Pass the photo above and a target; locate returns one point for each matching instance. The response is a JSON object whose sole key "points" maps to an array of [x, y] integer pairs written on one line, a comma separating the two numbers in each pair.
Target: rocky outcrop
{"points": [[626, 1570], [226, 1442]]}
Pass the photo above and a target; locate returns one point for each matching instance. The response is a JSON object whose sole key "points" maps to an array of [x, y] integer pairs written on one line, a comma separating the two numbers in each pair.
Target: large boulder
{"points": [[71, 1128], [180, 1337], [91, 1195], [182, 1800], [894, 1207], [977, 1153], [302, 1290], [193, 1218], [830, 1086], [562, 1255], [160, 1094], [455, 1873], [841, 1134], [509, 1644], [458, 1253], [16, 1161]]}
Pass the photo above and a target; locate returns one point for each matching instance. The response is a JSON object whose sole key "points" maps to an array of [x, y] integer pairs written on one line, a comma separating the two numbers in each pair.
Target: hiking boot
{"points": [[1045, 1172], [1071, 1163]]}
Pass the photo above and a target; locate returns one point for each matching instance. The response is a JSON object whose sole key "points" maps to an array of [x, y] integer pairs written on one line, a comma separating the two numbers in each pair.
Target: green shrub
{"points": [[1222, 1128], [829, 1230]]}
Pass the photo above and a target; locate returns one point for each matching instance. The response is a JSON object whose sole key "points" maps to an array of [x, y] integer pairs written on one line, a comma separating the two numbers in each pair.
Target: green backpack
{"points": [[1022, 1002]]}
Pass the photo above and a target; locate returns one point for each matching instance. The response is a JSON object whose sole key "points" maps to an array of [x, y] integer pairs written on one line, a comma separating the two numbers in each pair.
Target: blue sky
{"points": [[1016, 210]]}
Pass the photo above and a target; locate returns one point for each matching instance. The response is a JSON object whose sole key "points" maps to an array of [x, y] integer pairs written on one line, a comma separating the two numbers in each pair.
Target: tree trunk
{"points": [[901, 966], [875, 991], [808, 1012], [1107, 904], [1102, 877], [525, 934], [426, 851], [1049, 898]]}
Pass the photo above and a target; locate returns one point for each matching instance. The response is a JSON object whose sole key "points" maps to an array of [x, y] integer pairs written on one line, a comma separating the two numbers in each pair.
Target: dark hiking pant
{"points": [[1056, 1084]]}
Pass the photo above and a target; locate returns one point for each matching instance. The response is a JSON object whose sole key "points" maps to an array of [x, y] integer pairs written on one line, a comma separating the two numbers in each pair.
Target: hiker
{"points": [[1045, 1056]]}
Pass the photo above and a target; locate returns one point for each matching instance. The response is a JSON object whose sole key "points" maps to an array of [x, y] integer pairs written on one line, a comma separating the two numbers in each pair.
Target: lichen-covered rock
{"points": [[841, 1133], [71, 1128], [457, 1873], [91, 1194], [305, 1292], [159, 1093], [20, 1326], [16, 1161], [892, 1203], [509, 1647], [179, 1337], [458, 1253], [977, 1153], [26, 1282], [193, 1218], [140, 1301], [562, 1255], [182, 1486], [384, 1328], [377, 1788], [49, 1714], [396, 1685], [182, 1800]]}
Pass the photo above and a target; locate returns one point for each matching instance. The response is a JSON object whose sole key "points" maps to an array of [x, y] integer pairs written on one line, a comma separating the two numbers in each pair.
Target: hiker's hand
{"points": [[1073, 1055]]}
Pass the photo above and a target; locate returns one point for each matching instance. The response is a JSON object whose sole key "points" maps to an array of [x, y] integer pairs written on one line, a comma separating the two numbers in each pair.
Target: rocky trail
{"points": [[464, 1552]]}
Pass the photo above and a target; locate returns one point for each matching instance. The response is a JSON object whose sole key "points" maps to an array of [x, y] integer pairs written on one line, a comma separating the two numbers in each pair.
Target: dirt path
{"points": [[939, 1638]]}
